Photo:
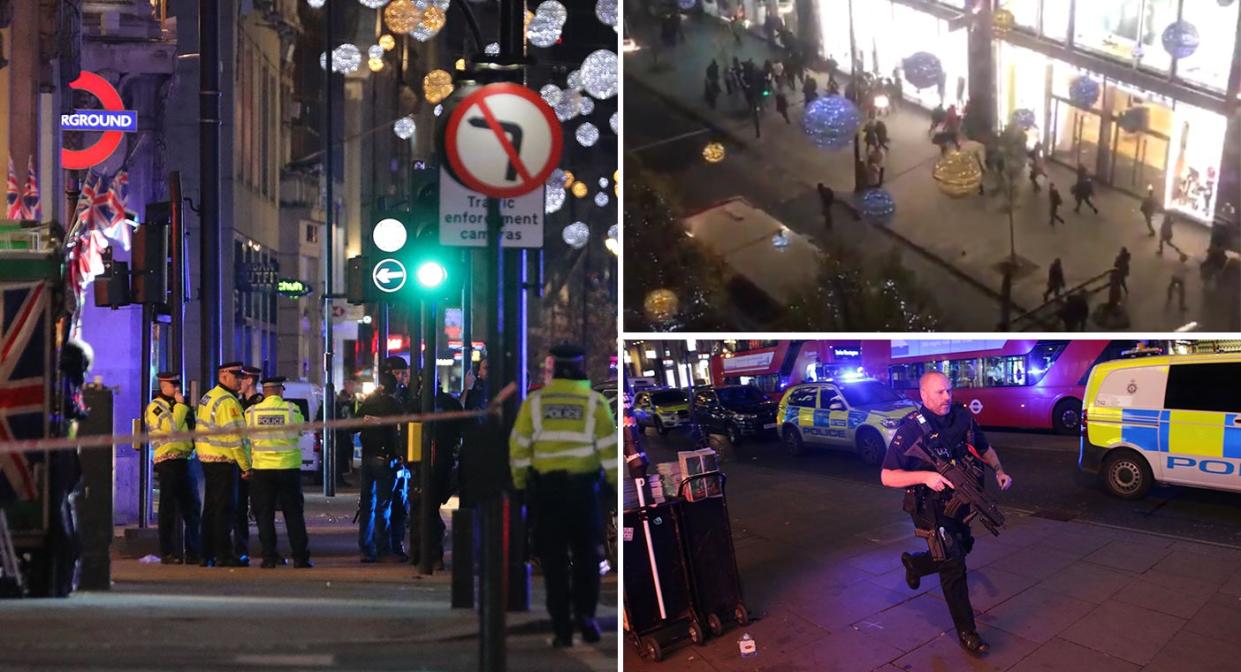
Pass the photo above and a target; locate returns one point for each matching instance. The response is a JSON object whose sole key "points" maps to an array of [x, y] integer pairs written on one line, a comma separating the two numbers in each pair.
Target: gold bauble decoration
{"points": [[375, 64], [569, 179], [580, 189], [713, 152], [957, 174], [459, 65], [1002, 21], [433, 19], [436, 86], [402, 16], [661, 305], [387, 42]]}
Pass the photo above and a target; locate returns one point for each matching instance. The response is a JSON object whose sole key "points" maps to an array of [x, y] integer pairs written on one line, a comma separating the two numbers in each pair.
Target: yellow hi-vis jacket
{"points": [[165, 416], [565, 426], [277, 450], [219, 409]]}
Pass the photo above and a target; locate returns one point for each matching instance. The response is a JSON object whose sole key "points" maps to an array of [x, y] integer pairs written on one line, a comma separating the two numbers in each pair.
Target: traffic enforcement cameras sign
{"points": [[503, 141]]}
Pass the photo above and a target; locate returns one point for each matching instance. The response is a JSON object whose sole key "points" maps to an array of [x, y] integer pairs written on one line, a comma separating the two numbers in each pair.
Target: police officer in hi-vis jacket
{"points": [[169, 414]]}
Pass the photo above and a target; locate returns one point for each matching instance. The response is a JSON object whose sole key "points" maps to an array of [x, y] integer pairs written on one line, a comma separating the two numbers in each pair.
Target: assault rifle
{"points": [[966, 478]]}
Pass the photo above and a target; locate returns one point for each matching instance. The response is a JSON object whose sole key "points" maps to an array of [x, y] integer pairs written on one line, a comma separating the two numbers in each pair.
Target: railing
{"points": [[1047, 316]]}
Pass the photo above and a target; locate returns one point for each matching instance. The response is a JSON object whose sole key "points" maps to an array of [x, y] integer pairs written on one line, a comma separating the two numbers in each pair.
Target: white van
{"points": [[1163, 420], [308, 397]]}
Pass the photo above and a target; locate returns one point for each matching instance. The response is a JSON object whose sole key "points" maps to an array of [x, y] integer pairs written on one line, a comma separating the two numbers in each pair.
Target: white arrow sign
{"points": [[389, 275]]}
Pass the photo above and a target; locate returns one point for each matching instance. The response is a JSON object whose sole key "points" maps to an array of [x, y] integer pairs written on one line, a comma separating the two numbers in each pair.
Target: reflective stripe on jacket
{"points": [[565, 426], [277, 450], [163, 416], [219, 409]]}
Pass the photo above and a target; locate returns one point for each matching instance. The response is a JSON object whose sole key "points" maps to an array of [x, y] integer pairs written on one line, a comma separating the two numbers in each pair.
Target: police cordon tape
{"points": [[108, 440]]}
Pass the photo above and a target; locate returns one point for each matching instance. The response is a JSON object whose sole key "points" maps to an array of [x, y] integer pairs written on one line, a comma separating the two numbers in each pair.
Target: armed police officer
{"points": [[381, 447], [169, 414], [563, 438], [942, 432], [399, 502], [225, 458], [277, 479]]}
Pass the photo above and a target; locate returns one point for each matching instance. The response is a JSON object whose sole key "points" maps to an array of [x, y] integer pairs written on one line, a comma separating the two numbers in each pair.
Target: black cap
{"points": [[230, 366], [252, 371], [168, 377], [568, 352], [395, 363], [273, 380]]}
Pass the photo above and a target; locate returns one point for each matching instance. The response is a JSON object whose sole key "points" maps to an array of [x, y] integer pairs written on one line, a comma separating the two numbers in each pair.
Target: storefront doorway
{"points": [[1075, 134], [1139, 160]]}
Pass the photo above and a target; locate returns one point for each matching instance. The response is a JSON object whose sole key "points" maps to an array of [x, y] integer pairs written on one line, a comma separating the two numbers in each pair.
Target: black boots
{"points": [[973, 643], [911, 575]]}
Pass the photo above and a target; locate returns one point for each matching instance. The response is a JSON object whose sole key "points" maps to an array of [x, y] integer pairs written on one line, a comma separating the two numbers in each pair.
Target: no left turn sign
{"points": [[503, 141]]}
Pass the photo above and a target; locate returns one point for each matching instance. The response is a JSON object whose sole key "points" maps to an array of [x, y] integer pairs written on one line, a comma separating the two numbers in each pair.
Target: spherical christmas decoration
{"points": [[713, 152], [404, 127], [923, 69], [439, 109], [374, 51], [606, 11], [1024, 118], [660, 305], [599, 74], [402, 16], [603, 183], [569, 178], [543, 31], [576, 235], [492, 49], [957, 174], [553, 198], [375, 64], [614, 122], [1002, 21], [551, 94], [613, 231], [574, 80], [423, 34], [601, 199], [552, 10], [587, 134], [441, 5], [580, 189], [1180, 39], [436, 86], [570, 104], [878, 206], [373, 4], [586, 106], [315, 4], [433, 19], [346, 58], [831, 121], [387, 42], [1083, 91]]}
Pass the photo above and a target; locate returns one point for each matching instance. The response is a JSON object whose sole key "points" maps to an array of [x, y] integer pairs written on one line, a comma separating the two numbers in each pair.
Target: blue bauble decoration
{"points": [[1083, 91], [878, 206], [1180, 39], [1134, 119], [923, 69], [831, 122], [1024, 118]]}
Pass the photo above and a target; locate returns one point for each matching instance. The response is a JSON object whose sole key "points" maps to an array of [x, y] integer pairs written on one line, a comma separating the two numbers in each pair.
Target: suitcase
{"points": [[711, 559]]}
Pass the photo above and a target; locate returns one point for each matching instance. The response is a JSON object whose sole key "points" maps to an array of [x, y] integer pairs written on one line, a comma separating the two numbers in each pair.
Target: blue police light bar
{"points": [[100, 120]]}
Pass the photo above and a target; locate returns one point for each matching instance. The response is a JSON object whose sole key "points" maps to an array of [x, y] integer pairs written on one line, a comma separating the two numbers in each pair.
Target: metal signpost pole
{"points": [[329, 207]]}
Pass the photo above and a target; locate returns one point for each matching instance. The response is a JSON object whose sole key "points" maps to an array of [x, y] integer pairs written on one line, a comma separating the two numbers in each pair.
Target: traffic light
{"points": [[402, 259]]}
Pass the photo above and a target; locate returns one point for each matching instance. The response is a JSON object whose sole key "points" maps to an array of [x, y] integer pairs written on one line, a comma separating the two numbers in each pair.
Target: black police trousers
{"points": [[567, 524], [282, 487], [178, 502], [219, 510], [952, 573], [241, 534]]}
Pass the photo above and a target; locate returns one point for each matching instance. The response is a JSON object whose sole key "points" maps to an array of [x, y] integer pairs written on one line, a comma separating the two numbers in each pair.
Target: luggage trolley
{"points": [[710, 556], [659, 610]]}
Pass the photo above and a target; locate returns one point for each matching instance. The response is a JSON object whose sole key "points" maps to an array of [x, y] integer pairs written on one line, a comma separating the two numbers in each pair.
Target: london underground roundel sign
{"points": [[112, 121]]}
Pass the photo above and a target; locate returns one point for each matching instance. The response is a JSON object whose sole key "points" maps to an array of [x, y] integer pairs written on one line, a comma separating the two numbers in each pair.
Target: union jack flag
{"points": [[13, 194], [23, 371], [101, 213], [30, 196]]}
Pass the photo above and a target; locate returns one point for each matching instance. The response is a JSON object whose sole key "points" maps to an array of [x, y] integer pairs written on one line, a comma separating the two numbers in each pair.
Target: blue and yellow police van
{"points": [[1171, 419], [859, 414]]}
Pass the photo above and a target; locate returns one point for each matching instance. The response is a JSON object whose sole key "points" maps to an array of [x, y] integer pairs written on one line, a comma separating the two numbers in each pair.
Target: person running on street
{"points": [[1149, 207], [1165, 234], [1083, 189], [1177, 283], [1036, 166], [1121, 264], [782, 105], [1055, 280], [1054, 200], [827, 198]]}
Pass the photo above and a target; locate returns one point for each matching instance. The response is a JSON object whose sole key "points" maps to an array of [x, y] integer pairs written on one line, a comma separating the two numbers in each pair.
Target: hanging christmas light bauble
{"points": [[957, 174], [553, 11], [586, 106], [433, 19], [404, 128], [441, 5], [436, 86], [1024, 118], [346, 58], [1002, 21], [569, 178], [613, 231], [373, 4], [831, 121], [713, 152], [1083, 91], [576, 235], [878, 206], [598, 74], [315, 4], [601, 199], [614, 122], [1180, 39], [922, 69], [550, 94], [605, 10], [422, 34], [660, 305], [439, 109], [375, 64], [542, 31], [492, 49], [374, 51], [603, 183], [569, 106], [553, 197], [574, 80], [580, 189], [402, 16], [587, 134], [387, 42]]}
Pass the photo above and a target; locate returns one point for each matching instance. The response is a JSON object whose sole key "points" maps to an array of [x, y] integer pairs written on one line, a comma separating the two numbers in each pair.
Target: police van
{"points": [[854, 413], [308, 397], [1170, 420]]}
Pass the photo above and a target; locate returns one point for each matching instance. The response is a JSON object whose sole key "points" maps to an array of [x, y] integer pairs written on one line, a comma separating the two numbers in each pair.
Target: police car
{"points": [[662, 409], [859, 414], [1163, 419]]}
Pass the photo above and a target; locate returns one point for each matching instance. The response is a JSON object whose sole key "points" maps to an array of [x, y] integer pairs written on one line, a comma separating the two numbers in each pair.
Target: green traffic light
{"points": [[431, 274]]}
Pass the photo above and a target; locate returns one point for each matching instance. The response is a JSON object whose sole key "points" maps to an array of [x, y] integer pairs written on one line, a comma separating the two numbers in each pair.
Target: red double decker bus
{"points": [[1022, 384], [775, 367]]}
